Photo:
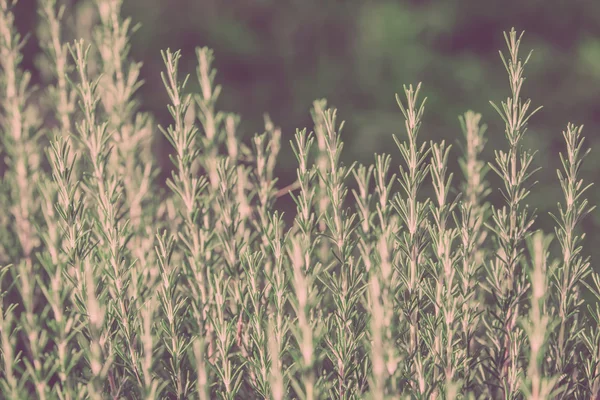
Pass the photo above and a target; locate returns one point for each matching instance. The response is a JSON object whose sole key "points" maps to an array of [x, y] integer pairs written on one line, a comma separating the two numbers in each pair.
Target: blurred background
{"points": [[277, 56]]}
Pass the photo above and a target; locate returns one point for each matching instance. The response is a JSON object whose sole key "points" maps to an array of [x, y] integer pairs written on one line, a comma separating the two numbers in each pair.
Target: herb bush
{"points": [[113, 286]]}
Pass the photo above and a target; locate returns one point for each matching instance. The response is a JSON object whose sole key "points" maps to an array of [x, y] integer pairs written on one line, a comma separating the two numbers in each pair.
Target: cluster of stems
{"points": [[112, 286]]}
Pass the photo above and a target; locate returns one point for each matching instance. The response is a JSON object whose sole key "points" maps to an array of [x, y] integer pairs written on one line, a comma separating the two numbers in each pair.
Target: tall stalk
{"points": [[413, 235], [511, 224]]}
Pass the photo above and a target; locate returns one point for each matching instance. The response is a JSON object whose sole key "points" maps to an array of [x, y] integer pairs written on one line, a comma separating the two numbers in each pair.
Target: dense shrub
{"points": [[114, 287]]}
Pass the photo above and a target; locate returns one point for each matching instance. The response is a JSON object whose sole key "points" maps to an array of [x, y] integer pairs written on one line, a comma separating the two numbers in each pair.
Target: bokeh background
{"points": [[277, 56]]}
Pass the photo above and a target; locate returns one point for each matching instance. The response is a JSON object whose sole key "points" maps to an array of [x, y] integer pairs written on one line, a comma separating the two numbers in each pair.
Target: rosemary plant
{"points": [[112, 286]]}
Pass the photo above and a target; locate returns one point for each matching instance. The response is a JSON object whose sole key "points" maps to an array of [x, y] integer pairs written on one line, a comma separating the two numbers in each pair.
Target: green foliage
{"points": [[113, 287]]}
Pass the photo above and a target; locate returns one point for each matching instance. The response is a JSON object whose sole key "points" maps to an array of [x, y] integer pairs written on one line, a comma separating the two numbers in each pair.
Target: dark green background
{"points": [[278, 56]]}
